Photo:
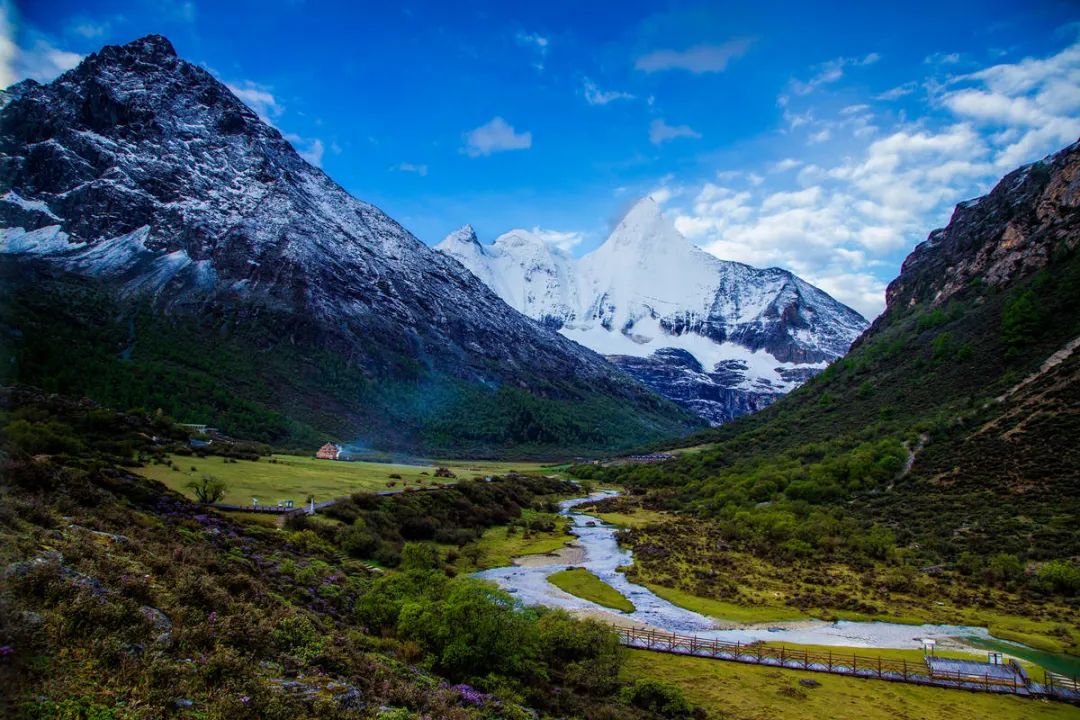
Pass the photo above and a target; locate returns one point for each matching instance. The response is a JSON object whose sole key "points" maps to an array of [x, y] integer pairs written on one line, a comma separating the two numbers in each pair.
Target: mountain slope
{"points": [[647, 298], [952, 421], [145, 173]]}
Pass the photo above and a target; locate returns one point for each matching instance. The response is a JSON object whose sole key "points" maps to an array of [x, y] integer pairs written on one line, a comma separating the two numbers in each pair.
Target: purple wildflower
{"points": [[469, 694], [6, 651]]}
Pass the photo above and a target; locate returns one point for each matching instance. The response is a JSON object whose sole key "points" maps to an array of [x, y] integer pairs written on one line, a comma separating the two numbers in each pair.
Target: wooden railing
{"points": [[1063, 686], [853, 664]]}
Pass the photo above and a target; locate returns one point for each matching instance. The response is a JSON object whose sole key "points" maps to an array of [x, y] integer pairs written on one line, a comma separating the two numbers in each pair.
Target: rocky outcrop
{"points": [[715, 395], [1008, 233]]}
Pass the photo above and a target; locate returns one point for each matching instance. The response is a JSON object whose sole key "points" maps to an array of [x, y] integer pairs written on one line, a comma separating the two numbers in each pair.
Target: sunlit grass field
{"points": [[585, 585], [738, 691], [499, 545], [293, 477]]}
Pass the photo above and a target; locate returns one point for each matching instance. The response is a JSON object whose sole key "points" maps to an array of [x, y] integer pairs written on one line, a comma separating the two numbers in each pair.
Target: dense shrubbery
{"points": [[782, 506], [123, 600], [473, 632], [377, 527]]}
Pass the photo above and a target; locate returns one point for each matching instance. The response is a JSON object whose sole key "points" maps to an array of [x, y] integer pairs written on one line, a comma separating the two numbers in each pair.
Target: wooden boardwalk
{"points": [[1009, 678]]}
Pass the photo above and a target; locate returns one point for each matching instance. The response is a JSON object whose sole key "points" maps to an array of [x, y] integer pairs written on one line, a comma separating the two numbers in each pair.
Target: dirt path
{"points": [[912, 452]]}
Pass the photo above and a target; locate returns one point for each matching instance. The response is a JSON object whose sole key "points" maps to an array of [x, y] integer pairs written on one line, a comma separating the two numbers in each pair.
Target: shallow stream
{"points": [[602, 555]]}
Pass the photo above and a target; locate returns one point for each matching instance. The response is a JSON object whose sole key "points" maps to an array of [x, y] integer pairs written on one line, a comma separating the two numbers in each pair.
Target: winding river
{"points": [[603, 556]]}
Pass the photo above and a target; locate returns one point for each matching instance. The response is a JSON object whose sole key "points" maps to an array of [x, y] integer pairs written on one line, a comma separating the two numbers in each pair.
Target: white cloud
{"points": [[897, 92], [845, 223], [495, 136], [565, 241], [8, 48], [44, 62], [532, 39], [536, 42], [661, 195], [697, 59], [259, 98], [89, 29], [313, 153], [660, 132], [311, 149], [39, 58], [939, 58], [595, 96], [830, 72], [1034, 103], [786, 164], [177, 10], [420, 170]]}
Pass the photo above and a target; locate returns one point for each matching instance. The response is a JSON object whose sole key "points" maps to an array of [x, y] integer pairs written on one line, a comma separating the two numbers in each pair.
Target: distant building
{"points": [[329, 451]]}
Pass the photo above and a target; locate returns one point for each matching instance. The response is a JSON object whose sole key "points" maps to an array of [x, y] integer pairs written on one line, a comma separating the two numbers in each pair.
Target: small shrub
{"points": [[208, 489], [658, 697]]}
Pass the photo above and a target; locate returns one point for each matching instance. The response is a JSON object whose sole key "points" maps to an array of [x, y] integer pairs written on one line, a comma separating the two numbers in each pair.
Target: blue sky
{"points": [[824, 138]]}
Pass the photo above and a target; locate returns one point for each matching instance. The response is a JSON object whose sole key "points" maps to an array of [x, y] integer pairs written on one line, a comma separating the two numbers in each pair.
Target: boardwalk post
{"points": [[782, 656], [805, 659], [905, 669], [879, 666], [830, 661]]}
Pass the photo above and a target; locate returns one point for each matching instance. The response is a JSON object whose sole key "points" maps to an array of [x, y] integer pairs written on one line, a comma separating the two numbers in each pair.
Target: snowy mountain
{"points": [[144, 172], [532, 276], [719, 337]]}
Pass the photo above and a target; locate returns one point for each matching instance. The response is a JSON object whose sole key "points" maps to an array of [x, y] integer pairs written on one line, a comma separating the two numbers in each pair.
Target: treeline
{"points": [[478, 418], [378, 526], [255, 380]]}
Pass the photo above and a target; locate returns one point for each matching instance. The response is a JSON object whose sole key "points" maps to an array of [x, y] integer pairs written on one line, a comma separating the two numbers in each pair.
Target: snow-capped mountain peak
{"points": [[465, 235], [755, 332], [645, 227]]}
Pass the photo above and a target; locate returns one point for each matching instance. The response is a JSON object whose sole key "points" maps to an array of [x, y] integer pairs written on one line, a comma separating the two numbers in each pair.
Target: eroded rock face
{"points": [[1008, 233], [718, 396], [142, 169]]}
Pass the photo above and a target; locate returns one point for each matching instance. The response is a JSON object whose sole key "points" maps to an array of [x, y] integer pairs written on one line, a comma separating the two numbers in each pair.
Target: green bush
{"points": [[1060, 576], [1020, 320], [658, 697]]}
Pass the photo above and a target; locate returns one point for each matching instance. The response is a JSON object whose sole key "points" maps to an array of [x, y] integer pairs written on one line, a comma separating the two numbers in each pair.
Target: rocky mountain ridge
{"points": [[143, 171]]}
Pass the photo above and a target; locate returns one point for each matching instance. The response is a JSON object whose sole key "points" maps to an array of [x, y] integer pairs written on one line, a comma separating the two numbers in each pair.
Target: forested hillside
{"points": [[948, 433]]}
